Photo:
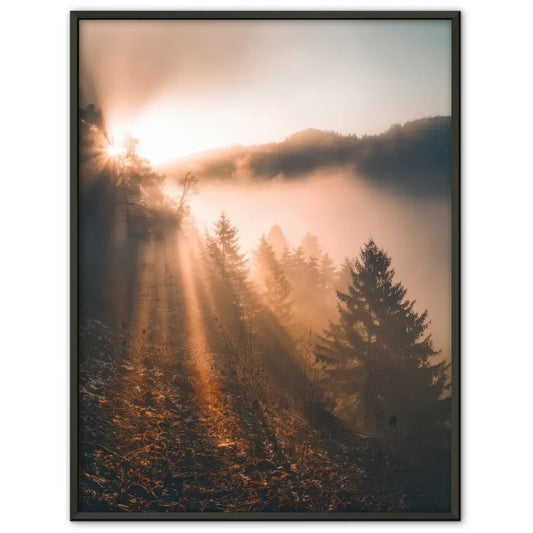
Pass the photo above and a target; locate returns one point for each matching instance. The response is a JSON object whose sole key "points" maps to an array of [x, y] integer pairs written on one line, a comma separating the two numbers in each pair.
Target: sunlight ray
{"points": [[211, 398]]}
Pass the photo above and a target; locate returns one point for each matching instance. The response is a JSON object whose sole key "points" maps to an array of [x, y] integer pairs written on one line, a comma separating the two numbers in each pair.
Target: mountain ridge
{"points": [[413, 158]]}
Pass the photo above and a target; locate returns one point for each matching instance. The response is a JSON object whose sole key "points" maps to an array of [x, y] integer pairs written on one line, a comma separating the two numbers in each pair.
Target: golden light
{"points": [[161, 139], [166, 132], [171, 189], [115, 149]]}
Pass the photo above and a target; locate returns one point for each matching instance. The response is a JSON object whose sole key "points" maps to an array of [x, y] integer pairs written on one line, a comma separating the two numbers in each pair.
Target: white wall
{"points": [[497, 297]]}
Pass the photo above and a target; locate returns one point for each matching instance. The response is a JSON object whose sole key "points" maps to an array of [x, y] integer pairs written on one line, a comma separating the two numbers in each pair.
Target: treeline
{"points": [[413, 158], [298, 282], [374, 349], [374, 362]]}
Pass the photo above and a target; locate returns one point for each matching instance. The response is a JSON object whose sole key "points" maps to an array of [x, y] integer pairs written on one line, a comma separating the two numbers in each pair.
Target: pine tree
{"points": [[313, 302], [311, 246], [295, 267], [272, 280], [327, 274], [277, 240], [344, 275], [224, 251], [228, 273], [312, 274], [380, 350]]}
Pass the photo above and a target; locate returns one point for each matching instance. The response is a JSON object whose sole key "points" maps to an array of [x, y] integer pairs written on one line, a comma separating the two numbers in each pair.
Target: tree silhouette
{"points": [[228, 274], [311, 246], [343, 276], [277, 240], [380, 350], [224, 250], [189, 186], [141, 189], [327, 274], [273, 281], [90, 130]]}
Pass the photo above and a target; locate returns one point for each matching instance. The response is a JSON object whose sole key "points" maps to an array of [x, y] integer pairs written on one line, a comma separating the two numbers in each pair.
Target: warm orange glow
{"points": [[115, 149], [211, 398], [166, 132], [160, 140], [171, 191]]}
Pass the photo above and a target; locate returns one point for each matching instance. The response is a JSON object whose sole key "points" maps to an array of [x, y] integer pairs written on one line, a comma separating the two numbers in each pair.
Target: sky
{"points": [[187, 86]]}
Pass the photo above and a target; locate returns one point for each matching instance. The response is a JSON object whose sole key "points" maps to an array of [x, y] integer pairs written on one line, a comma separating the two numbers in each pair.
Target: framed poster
{"points": [[265, 265]]}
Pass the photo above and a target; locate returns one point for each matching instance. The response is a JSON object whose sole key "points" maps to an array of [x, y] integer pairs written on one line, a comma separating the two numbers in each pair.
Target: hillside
{"points": [[414, 158]]}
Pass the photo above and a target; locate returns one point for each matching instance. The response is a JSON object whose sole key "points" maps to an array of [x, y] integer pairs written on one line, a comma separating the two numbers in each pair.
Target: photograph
{"points": [[265, 265]]}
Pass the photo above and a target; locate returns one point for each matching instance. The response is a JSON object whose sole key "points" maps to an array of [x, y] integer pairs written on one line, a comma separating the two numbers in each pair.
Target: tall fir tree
{"points": [[276, 238], [273, 281], [224, 250], [229, 273], [311, 246], [327, 275], [343, 277], [380, 350], [295, 267]]}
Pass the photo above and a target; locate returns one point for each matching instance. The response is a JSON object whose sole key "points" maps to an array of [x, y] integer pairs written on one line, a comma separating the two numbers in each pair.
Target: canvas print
{"points": [[264, 308]]}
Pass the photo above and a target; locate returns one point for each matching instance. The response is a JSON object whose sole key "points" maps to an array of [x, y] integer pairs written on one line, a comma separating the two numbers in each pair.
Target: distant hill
{"points": [[414, 158]]}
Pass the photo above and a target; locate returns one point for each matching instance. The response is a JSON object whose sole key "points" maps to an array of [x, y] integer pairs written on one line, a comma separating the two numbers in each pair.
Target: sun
{"points": [[114, 149]]}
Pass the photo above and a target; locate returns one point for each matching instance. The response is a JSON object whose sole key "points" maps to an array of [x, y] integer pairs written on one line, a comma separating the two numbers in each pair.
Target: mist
{"points": [[343, 213]]}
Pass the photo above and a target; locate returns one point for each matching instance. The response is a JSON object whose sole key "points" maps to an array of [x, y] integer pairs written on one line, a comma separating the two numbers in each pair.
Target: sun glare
{"points": [[114, 149], [163, 136]]}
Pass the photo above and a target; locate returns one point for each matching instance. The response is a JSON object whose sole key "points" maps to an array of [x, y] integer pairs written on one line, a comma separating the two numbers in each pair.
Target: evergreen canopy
{"points": [[380, 350]]}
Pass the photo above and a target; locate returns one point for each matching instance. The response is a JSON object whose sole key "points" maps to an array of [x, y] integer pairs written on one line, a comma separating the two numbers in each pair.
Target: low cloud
{"points": [[414, 159]]}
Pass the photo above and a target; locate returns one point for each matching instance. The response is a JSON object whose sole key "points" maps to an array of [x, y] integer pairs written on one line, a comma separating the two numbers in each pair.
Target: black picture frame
{"points": [[455, 18]]}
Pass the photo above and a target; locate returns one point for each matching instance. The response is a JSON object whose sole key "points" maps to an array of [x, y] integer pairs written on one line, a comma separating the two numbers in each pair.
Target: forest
{"points": [[216, 380]]}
